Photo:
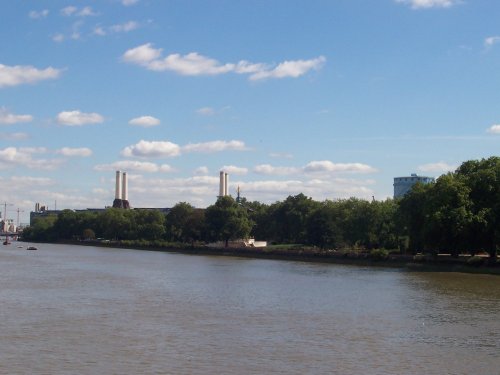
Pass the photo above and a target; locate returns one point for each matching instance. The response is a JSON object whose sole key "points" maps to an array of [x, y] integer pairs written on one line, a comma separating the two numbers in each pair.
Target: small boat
{"points": [[19, 247], [31, 248]]}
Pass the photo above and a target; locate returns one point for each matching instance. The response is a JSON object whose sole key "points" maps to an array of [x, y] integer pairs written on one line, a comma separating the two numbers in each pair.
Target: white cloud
{"points": [[14, 136], [438, 167], [10, 118], [87, 11], [315, 167], [425, 4], [206, 111], [232, 169], [99, 30], [124, 27], [201, 171], [73, 11], [82, 151], [154, 149], [328, 166], [494, 129], [215, 146], [23, 157], [69, 10], [283, 155], [129, 2], [77, 118], [58, 38], [192, 64], [492, 40], [22, 74], [134, 166], [142, 55], [267, 169], [195, 64], [292, 69], [39, 14], [145, 121]]}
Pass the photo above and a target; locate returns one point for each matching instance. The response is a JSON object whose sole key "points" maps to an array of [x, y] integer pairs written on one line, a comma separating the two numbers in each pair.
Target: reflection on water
{"points": [[68, 309]]}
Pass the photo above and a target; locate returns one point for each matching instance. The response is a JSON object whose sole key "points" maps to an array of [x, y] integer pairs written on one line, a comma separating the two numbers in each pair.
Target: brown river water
{"points": [[87, 310]]}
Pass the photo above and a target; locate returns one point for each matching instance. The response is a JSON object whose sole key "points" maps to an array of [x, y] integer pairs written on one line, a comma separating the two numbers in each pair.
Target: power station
{"points": [[121, 191]]}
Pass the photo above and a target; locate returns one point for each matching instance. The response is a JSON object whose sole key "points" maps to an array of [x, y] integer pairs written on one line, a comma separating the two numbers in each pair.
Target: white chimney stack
{"points": [[124, 187], [221, 184], [226, 177], [118, 192]]}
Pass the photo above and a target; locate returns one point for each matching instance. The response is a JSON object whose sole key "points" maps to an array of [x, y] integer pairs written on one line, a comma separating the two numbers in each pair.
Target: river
{"points": [[89, 310]]}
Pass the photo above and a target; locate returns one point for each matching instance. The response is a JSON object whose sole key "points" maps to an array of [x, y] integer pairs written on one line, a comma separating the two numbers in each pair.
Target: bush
{"points": [[379, 254]]}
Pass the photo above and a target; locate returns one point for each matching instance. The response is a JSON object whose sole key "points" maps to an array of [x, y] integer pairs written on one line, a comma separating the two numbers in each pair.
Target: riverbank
{"points": [[421, 263]]}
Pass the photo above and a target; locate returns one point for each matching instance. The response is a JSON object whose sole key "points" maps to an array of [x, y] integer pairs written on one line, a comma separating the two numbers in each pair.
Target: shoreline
{"points": [[407, 262]]}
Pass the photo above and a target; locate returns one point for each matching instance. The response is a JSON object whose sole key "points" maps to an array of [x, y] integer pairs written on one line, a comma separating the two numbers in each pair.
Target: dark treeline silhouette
{"points": [[459, 213]]}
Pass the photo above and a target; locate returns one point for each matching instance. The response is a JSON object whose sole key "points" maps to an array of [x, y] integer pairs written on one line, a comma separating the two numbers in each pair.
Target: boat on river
{"points": [[31, 248]]}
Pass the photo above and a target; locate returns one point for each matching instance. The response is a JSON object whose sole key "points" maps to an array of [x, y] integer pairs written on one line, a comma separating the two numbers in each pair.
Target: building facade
{"points": [[403, 185]]}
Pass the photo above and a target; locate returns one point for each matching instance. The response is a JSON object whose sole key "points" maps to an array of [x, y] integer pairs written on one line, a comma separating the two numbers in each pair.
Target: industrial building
{"points": [[403, 185]]}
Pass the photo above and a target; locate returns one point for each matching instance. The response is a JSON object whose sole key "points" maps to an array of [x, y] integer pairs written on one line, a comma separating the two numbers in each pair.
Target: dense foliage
{"points": [[458, 213]]}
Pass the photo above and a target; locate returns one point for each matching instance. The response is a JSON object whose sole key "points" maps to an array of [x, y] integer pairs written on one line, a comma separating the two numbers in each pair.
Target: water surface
{"points": [[86, 310]]}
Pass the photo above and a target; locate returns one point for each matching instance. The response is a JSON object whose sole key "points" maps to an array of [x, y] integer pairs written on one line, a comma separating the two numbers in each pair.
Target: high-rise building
{"points": [[402, 185]]}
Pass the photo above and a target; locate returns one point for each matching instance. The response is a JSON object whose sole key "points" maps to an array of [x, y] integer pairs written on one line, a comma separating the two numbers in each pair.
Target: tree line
{"points": [[458, 213]]}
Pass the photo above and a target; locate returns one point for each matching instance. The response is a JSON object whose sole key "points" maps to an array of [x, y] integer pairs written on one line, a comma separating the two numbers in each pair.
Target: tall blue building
{"points": [[402, 185]]}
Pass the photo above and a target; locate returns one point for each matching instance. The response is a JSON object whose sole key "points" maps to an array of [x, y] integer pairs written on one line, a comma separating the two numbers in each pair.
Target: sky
{"points": [[330, 98]]}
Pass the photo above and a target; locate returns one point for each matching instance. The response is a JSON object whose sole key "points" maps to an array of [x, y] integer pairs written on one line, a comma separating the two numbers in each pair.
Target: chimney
{"points": [[124, 187], [225, 184], [118, 192], [221, 184]]}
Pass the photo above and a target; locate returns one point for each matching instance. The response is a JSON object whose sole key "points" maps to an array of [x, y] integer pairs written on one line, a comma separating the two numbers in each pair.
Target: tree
{"points": [[483, 179], [226, 220], [324, 226], [176, 221], [290, 218]]}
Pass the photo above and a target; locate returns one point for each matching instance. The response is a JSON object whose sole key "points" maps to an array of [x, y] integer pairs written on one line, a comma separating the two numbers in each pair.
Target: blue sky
{"points": [[331, 98]]}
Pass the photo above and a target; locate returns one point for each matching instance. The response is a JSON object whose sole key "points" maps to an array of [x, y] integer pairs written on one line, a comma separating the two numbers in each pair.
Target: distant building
{"points": [[403, 185]]}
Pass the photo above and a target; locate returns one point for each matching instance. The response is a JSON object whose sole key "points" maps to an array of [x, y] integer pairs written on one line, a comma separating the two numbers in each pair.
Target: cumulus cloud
{"points": [[201, 171], [124, 27], [145, 121], [77, 118], [267, 169], [163, 149], [38, 14], [119, 28], [14, 136], [292, 69], [425, 4], [10, 118], [315, 167], [492, 40], [153, 149], [23, 157], [68, 151], [328, 166], [206, 111], [195, 64], [232, 169], [129, 2], [22, 74], [494, 129], [74, 11], [439, 167], [215, 146], [134, 166]]}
